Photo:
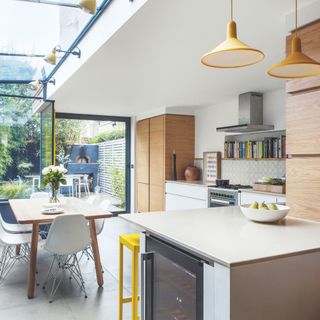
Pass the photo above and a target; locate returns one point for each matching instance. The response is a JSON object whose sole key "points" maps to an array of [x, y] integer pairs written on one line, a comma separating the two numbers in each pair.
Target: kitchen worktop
{"points": [[197, 183], [224, 235], [263, 192]]}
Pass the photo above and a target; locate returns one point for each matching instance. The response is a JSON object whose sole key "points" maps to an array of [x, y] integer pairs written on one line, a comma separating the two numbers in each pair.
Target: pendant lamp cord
{"points": [[231, 9], [296, 18]]}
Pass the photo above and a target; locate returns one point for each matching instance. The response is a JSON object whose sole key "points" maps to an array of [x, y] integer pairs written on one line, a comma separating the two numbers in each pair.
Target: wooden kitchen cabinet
{"points": [[303, 123], [303, 187], [142, 198], [157, 138], [303, 134], [310, 42], [142, 151]]}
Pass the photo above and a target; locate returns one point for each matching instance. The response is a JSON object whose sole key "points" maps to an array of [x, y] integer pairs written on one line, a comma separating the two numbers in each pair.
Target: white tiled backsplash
{"points": [[247, 172]]}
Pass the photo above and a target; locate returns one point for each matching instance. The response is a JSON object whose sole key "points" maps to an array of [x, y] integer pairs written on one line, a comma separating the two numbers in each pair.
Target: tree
{"points": [[68, 132], [19, 131]]}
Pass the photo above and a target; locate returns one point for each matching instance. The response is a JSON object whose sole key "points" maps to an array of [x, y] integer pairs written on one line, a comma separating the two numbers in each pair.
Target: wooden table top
{"points": [[29, 210]]}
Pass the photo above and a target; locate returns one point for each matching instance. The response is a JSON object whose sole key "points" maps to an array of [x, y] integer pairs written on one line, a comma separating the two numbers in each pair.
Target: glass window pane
{"points": [[19, 144], [94, 152], [47, 140]]}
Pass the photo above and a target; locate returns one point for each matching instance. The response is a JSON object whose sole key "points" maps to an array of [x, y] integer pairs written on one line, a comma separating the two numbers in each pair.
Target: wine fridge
{"points": [[172, 283]]}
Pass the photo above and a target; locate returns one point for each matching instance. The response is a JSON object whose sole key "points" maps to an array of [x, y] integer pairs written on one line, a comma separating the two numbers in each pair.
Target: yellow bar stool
{"points": [[132, 242]]}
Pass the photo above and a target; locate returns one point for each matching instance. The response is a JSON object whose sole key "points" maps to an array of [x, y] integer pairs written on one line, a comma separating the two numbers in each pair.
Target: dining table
{"points": [[30, 211]]}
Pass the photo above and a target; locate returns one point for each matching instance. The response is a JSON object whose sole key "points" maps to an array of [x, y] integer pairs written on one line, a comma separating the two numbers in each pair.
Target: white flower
{"points": [[45, 171], [55, 169], [62, 169]]}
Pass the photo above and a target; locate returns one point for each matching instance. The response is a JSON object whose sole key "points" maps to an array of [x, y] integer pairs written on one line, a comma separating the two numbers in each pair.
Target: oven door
{"points": [[172, 283], [221, 203]]}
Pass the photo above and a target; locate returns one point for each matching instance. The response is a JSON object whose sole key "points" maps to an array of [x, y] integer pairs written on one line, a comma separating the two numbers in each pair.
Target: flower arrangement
{"points": [[53, 176]]}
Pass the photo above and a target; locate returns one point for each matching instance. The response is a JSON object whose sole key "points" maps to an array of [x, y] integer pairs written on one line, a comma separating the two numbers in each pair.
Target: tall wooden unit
{"points": [[156, 139], [303, 134]]}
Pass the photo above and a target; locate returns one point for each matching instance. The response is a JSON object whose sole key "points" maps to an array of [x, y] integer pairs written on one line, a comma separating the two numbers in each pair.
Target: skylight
{"points": [[28, 28]]}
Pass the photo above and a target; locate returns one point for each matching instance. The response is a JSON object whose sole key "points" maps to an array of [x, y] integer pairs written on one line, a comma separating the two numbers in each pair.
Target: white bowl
{"points": [[264, 215]]}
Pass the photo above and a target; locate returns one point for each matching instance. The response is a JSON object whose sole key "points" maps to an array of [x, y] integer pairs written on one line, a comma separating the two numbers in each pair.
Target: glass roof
{"points": [[30, 28]]}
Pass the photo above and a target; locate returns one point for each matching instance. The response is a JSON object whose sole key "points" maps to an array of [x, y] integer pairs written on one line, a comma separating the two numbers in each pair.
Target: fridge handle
{"points": [[146, 286]]}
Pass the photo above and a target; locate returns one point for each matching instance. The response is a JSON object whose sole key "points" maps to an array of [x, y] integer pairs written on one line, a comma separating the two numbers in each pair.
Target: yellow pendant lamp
{"points": [[232, 53], [297, 64]]}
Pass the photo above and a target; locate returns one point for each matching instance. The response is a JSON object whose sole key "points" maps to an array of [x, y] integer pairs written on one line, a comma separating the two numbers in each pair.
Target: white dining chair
{"points": [[91, 199], [40, 195], [15, 227], [44, 229], [68, 235], [9, 257]]}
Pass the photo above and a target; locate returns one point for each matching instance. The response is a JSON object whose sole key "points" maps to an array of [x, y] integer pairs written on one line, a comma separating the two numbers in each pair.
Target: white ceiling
{"points": [[153, 60]]}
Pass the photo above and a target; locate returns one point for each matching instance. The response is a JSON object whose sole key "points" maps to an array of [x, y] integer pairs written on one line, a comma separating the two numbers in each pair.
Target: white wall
{"points": [[226, 113]]}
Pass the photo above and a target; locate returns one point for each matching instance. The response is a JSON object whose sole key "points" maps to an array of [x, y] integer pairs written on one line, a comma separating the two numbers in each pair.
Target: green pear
{"points": [[263, 206], [273, 206], [255, 205]]}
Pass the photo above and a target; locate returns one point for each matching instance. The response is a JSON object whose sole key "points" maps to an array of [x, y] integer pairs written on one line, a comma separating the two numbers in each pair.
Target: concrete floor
{"points": [[102, 303]]}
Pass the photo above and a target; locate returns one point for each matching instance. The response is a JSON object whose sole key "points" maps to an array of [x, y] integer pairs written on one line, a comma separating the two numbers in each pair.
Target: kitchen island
{"points": [[256, 271]]}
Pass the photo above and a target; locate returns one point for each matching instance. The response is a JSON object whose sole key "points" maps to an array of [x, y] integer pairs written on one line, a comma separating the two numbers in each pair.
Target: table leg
{"points": [[96, 253], [18, 248], [33, 260]]}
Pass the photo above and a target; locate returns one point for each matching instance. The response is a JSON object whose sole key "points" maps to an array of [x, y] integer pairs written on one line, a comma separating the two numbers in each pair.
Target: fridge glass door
{"points": [[177, 283]]}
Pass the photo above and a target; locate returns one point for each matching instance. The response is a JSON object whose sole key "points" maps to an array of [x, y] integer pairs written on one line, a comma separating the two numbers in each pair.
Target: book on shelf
{"points": [[268, 148]]}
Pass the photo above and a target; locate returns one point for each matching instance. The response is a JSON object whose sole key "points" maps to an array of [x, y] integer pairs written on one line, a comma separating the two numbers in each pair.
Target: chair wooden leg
{"points": [[120, 306]]}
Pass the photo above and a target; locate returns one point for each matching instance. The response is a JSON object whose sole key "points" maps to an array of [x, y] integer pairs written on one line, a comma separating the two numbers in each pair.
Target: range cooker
{"points": [[225, 195]]}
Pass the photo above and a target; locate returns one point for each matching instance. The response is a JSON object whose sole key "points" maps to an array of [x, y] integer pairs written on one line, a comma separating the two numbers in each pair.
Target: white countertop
{"points": [[224, 235]]}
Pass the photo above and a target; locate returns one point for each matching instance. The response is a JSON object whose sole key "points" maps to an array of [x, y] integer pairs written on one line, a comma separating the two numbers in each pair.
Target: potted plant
{"points": [[54, 176]]}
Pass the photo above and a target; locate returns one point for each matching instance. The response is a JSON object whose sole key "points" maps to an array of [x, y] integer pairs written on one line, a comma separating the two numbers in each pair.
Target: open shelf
{"points": [[256, 159]]}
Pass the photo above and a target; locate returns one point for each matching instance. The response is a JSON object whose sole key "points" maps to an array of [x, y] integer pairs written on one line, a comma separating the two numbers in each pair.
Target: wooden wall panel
{"points": [[180, 136], [303, 187], [303, 123], [142, 151], [310, 41]]}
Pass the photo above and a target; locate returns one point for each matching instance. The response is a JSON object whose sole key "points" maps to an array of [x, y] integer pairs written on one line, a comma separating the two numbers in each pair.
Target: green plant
{"points": [[53, 176], [13, 190], [108, 136], [63, 158], [5, 159], [119, 185]]}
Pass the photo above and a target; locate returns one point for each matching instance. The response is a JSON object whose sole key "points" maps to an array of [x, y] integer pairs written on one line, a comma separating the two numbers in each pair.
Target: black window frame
{"points": [[127, 121]]}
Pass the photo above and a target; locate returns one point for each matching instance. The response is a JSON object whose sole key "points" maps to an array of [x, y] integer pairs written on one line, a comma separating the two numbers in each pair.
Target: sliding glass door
{"points": [[96, 152]]}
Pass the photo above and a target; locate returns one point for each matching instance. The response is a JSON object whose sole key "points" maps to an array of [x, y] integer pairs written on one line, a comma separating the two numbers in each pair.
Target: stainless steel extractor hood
{"points": [[250, 115]]}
